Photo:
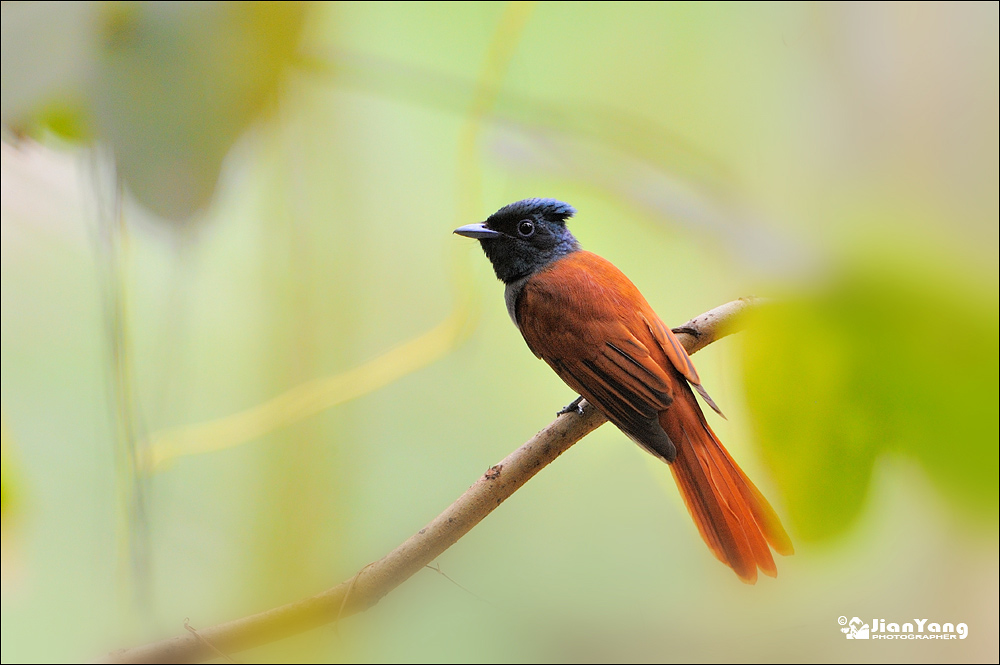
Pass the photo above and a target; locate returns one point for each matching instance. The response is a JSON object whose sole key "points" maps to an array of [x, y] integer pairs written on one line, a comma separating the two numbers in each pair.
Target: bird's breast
{"points": [[510, 295]]}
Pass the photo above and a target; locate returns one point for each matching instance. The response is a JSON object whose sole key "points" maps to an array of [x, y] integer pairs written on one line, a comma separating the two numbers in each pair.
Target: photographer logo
{"points": [[917, 629]]}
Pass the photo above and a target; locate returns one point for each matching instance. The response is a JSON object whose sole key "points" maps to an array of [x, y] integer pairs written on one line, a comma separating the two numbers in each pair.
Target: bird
{"points": [[589, 323]]}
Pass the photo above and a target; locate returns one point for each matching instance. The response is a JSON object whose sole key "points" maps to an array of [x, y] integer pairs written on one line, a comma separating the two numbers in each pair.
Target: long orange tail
{"points": [[732, 515]]}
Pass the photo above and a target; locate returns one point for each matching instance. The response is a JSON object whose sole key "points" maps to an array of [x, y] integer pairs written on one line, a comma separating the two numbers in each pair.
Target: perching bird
{"points": [[584, 318]]}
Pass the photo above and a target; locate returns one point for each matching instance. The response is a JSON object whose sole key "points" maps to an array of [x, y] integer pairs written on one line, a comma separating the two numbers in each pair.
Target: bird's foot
{"points": [[572, 407]]}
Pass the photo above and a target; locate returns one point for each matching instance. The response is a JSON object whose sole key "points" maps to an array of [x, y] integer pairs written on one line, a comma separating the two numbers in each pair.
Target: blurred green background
{"points": [[211, 213]]}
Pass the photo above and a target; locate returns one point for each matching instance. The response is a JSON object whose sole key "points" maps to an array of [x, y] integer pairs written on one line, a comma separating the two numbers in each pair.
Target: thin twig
{"points": [[350, 587], [437, 569], [194, 631], [375, 580]]}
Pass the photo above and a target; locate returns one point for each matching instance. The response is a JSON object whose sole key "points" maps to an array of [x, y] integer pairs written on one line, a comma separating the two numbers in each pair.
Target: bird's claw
{"points": [[572, 407]]}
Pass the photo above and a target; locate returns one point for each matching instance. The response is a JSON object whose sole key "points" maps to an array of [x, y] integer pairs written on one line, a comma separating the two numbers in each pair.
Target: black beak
{"points": [[476, 231]]}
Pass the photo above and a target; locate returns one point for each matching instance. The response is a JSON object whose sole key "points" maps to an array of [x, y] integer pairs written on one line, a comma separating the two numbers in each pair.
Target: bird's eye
{"points": [[525, 228]]}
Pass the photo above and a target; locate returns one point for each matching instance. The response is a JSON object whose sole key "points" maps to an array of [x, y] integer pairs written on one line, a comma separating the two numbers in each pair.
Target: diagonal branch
{"points": [[375, 580]]}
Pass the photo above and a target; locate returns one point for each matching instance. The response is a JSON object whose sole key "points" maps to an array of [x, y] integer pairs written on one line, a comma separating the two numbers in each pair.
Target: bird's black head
{"points": [[522, 238]]}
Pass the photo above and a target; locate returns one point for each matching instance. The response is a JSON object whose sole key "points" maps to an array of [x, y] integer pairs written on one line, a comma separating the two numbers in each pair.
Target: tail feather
{"points": [[763, 513], [733, 517], [754, 551]]}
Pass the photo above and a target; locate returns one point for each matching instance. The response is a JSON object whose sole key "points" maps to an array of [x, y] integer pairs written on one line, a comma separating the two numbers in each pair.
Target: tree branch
{"points": [[375, 580]]}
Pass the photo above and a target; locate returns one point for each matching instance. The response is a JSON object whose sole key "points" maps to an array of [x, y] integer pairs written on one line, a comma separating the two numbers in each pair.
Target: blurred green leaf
{"points": [[47, 60], [67, 118], [879, 361], [170, 86], [9, 480], [177, 83]]}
